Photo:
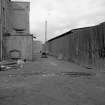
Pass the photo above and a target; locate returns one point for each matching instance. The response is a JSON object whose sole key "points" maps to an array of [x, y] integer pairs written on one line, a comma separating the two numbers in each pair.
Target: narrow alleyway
{"points": [[48, 81]]}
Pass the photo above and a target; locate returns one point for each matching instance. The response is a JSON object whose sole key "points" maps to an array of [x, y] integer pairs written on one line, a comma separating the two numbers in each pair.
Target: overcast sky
{"points": [[64, 15]]}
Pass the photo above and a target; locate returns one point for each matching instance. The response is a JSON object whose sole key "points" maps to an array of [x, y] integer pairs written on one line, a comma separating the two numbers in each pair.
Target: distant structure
{"points": [[15, 37], [37, 46]]}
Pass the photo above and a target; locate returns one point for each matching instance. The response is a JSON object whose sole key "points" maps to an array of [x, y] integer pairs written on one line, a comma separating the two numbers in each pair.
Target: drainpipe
{"points": [[1, 31], [1, 42]]}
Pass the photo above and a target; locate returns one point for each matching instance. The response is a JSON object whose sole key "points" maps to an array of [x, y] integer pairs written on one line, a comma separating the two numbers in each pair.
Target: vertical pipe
{"points": [[1, 42], [1, 32], [5, 15]]}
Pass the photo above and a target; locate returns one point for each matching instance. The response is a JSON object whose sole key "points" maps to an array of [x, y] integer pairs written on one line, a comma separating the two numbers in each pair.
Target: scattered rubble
{"points": [[11, 64]]}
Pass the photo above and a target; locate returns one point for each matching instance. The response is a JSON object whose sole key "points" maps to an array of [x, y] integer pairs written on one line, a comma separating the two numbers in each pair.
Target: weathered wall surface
{"points": [[0, 30], [20, 43], [19, 16], [3, 24], [83, 45], [60, 47], [37, 46], [13, 15]]}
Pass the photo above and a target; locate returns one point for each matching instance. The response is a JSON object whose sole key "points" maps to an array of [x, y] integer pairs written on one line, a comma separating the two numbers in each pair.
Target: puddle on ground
{"points": [[78, 74], [44, 74]]}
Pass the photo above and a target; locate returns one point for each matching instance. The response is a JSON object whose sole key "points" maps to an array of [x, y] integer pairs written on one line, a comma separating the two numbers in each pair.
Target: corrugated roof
{"points": [[71, 31]]}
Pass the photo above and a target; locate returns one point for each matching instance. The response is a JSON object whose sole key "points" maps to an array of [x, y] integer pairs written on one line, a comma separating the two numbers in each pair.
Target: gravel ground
{"points": [[48, 81]]}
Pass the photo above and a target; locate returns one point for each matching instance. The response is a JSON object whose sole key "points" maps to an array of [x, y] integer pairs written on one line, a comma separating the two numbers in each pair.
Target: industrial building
{"points": [[15, 37], [83, 45]]}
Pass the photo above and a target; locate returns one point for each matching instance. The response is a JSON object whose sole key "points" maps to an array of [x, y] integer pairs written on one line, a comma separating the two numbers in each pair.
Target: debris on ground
{"points": [[11, 64]]}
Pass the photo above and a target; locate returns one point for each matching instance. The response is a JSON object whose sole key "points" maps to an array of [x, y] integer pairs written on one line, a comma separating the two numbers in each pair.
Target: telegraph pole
{"points": [[45, 46], [45, 31]]}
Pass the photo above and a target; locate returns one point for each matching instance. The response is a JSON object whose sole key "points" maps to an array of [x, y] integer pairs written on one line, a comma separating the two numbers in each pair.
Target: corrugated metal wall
{"points": [[59, 46], [83, 45]]}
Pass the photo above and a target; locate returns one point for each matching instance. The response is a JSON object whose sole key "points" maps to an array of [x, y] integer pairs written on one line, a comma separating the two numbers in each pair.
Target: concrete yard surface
{"points": [[48, 81]]}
